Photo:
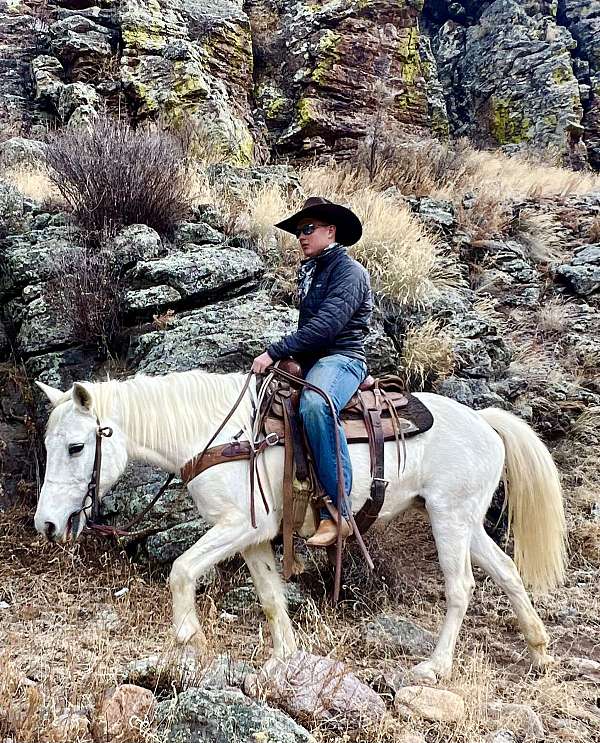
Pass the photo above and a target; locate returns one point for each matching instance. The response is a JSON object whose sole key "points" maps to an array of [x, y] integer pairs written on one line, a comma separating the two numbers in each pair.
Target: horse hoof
{"points": [[425, 672], [542, 663], [190, 633]]}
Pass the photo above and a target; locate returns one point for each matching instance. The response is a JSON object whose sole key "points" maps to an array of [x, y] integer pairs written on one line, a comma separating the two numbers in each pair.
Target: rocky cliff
{"points": [[302, 79]]}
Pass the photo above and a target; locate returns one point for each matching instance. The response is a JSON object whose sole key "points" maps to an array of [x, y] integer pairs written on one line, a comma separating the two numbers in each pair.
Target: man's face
{"points": [[319, 238]]}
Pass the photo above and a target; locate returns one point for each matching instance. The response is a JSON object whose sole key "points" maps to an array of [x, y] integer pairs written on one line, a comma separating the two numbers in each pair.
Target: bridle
{"points": [[92, 499]]}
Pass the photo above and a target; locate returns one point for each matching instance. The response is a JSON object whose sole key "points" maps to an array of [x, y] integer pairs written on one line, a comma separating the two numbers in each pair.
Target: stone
{"points": [[582, 274], [31, 257], [47, 73], [501, 736], [437, 705], [169, 544], [319, 688], [154, 299], [224, 336], [202, 272], [119, 710], [73, 95], [391, 632], [343, 46], [12, 215], [69, 726], [135, 242], [136, 489], [197, 233], [519, 718], [436, 213], [586, 667], [219, 715], [76, 37], [22, 152], [42, 327]]}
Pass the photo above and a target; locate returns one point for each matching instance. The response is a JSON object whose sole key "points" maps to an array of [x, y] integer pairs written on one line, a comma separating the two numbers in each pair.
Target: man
{"points": [[335, 309]]}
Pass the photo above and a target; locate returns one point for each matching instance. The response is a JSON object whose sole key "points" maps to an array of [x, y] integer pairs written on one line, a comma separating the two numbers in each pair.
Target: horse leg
{"points": [[261, 563], [223, 540], [498, 565], [452, 541]]}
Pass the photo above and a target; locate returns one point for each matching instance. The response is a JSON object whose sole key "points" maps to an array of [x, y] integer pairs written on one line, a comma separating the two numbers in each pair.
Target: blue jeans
{"points": [[338, 376]]}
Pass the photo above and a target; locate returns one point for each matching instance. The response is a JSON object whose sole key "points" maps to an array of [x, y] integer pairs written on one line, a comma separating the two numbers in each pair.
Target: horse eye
{"points": [[75, 448]]}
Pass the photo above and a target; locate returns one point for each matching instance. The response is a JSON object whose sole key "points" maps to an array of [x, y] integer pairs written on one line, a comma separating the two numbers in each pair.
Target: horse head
{"points": [[72, 463]]}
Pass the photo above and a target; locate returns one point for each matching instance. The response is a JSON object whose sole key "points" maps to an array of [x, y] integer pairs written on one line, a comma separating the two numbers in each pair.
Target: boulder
{"points": [[181, 669], [154, 299], [582, 273], [509, 80], [31, 257], [225, 716], [135, 242], [42, 326], [74, 95], [120, 711], [12, 216], [76, 37], [318, 688], [224, 336], [391, 632], [201, 272], [519, 718], [22, 152], [437, 705], [47, 75]]}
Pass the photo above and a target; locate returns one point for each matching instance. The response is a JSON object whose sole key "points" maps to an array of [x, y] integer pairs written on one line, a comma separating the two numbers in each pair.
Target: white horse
{"points": [[454, 469]]}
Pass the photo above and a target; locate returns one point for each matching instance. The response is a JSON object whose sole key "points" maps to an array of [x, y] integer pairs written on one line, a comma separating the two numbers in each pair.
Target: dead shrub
{"points": [[486, 216], [113, 176], [594, 234], [427, 354], [86, 292]]}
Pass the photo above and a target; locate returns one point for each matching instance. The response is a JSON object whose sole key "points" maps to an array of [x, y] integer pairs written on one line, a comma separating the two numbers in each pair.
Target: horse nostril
{"points": [[49, 530]]}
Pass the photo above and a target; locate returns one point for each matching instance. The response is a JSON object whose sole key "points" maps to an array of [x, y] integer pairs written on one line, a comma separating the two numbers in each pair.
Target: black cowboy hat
{"points": [[348, 226]]}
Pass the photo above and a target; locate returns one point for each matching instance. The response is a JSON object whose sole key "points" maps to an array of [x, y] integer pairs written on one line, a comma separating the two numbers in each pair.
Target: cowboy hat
{"points": [[348, 226]]}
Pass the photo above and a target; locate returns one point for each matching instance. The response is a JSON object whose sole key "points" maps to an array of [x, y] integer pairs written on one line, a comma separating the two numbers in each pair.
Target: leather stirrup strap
{"points": [[288, 493]]}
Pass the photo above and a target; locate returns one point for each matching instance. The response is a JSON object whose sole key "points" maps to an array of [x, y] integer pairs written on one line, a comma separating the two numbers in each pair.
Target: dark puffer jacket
{"points": [[334, 315]]}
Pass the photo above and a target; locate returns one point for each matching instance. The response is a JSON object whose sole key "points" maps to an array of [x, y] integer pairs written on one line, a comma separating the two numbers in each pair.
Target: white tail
{"points": [[535, 505]]}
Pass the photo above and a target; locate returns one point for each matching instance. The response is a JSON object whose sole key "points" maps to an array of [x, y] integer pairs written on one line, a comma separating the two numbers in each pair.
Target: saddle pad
{"points": [[414, 418]]}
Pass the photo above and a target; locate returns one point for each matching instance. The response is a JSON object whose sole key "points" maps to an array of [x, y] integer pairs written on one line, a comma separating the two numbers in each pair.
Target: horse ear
{"points": [[51, 393], [82, 398]]}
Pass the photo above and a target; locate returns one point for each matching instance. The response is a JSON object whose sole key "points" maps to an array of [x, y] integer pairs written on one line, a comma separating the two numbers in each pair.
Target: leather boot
{"points": [[326, 534]]}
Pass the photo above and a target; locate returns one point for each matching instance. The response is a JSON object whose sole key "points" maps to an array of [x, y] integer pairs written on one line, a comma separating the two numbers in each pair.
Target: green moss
{"points": [[275, 108], [506, 126], [304, 113], [327, 55], [561, 75]]}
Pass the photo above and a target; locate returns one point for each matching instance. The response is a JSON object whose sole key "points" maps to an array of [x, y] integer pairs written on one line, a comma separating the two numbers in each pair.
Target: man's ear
{"points": [[51, 393], [82, 398]]}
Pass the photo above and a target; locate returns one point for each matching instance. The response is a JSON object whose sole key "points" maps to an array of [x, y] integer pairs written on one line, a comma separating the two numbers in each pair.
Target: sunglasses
{"points": [[308, 229]]}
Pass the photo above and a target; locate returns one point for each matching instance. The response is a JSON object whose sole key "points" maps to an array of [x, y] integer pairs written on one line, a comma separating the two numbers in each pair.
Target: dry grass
{"points": [[594, 234], [32, 182], [542, 234], [486, 216], [554, 317], [66, 637], [427, 354]]}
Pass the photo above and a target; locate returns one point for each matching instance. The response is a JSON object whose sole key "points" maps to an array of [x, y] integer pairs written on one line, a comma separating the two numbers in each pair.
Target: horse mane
{"points": [[166, 413]]}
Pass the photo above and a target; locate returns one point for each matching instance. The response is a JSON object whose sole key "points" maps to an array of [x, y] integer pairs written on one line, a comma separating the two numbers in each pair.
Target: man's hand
{"points": [[262, 363]]}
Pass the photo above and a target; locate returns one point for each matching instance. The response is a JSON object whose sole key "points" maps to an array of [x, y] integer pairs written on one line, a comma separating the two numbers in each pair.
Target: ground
{"points": [[68, 627]]}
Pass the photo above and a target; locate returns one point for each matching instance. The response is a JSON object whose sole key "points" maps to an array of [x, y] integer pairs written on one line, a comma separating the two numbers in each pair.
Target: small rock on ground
{"points": [[438, 705]]}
